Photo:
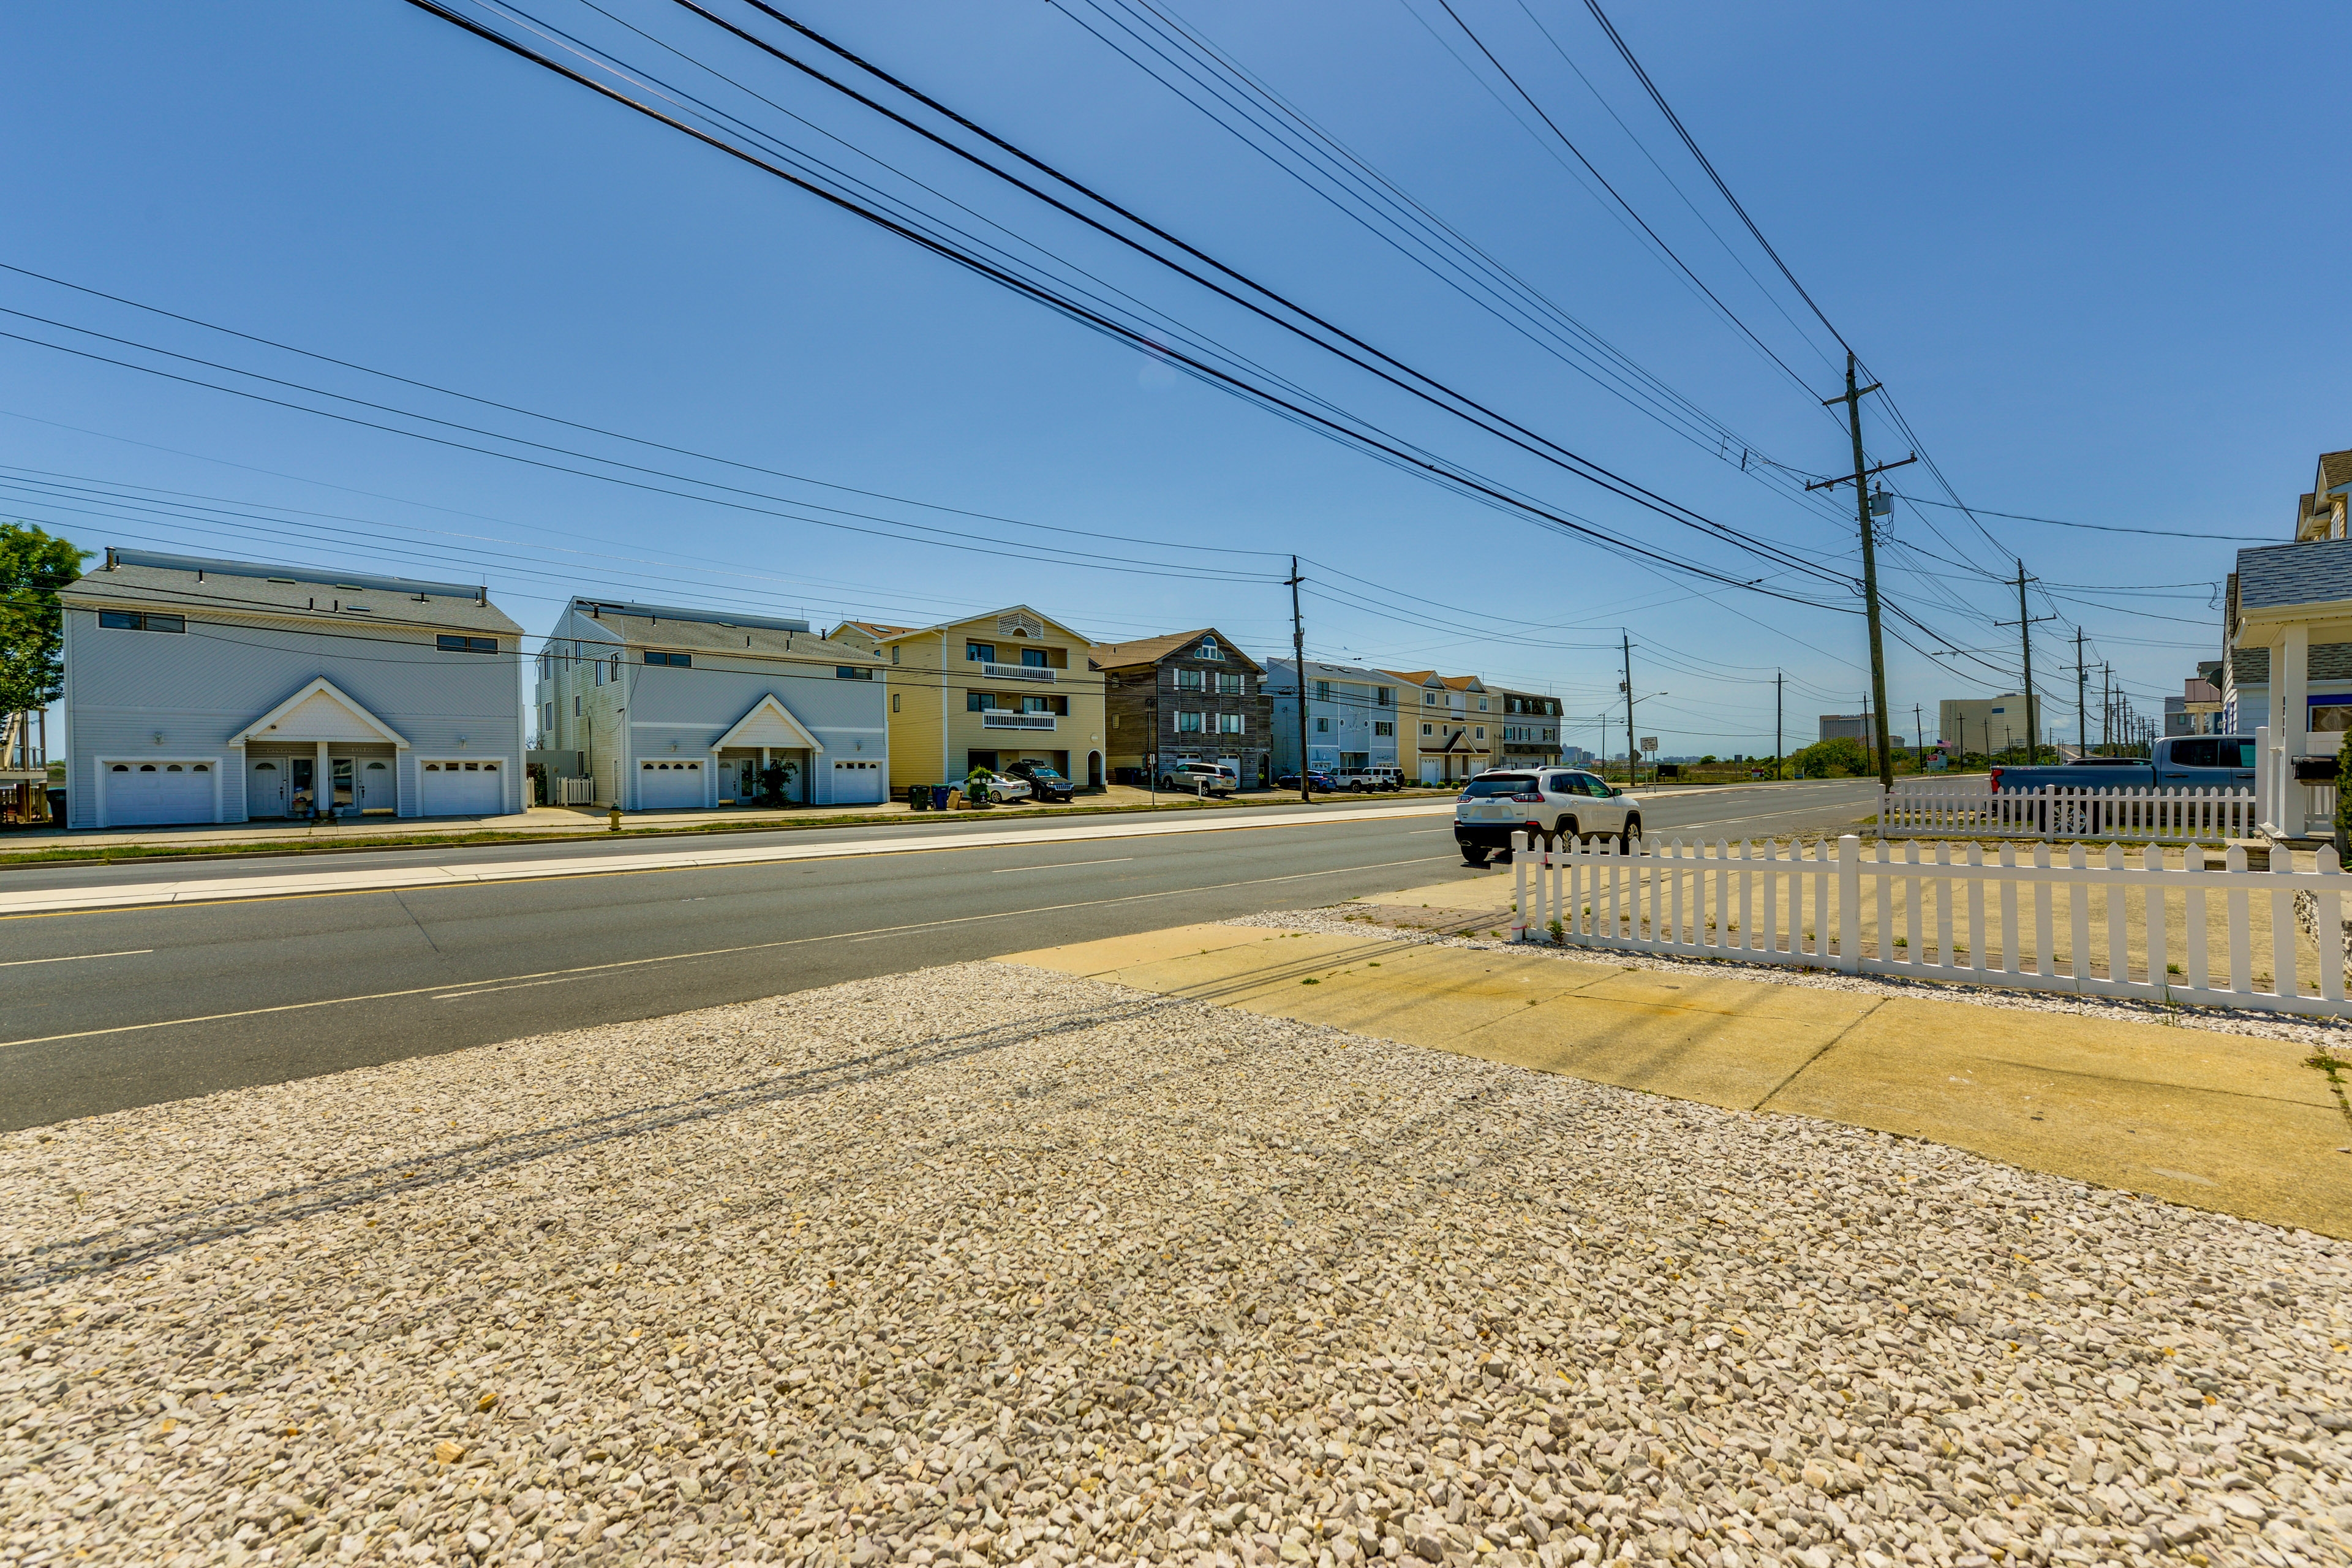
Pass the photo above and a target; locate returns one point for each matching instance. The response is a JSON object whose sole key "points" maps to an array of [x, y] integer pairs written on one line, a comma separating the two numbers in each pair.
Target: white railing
{"points": [[998, 719], [2058, 810], [576, 792], [1921, 909], [1017, 672]]}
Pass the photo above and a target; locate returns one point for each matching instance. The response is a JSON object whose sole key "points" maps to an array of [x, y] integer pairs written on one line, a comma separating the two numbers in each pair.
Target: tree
{"points": [[1841, 758], [33, 567]]}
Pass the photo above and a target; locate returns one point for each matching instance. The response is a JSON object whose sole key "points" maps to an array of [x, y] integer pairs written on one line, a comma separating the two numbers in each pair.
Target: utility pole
{"points": [[1853, 401], [1633, 775], [1298, 662], [1918, 735], [1780, 680], [2107, 709], [2025, 624], [2082, 706]]}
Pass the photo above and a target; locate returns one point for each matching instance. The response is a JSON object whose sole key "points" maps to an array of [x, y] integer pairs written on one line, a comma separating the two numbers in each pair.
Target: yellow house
{"points": [[989, 692]]}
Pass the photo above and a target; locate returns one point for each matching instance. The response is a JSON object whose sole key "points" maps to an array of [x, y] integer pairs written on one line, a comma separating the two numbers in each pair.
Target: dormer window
{"points": [[1209, 648]]}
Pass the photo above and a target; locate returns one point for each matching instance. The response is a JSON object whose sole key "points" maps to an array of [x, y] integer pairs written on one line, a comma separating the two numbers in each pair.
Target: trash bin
{"points": [[939, 793], [919, 797]]}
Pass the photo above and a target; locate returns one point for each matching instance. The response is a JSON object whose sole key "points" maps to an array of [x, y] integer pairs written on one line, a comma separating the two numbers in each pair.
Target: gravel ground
{"points": [[1360, 920], [988, 1265]]}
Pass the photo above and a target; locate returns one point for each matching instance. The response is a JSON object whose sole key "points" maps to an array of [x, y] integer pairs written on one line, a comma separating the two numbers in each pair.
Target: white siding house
{"points": [[1351, 717], [667, 707], [200, 691]]}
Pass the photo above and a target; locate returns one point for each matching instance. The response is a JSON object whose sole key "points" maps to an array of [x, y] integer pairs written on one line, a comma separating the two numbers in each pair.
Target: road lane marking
{"points": [[548, 976], [76, 957], [224, 890], [1062, 865]]}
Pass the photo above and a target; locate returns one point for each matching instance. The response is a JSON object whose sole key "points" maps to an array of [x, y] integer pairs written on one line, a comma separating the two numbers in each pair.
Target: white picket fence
{"points": [[1921, 909], [577, 792], [2056, 811]]}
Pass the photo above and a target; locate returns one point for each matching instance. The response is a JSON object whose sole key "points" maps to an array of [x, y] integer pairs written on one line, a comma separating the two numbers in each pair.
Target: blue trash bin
{"points": [[939, 793]]}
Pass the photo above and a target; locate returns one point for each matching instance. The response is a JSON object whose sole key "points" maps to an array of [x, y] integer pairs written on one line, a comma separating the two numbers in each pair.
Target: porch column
{"points": [[2292, 684], [764, 773], [322, 782]]}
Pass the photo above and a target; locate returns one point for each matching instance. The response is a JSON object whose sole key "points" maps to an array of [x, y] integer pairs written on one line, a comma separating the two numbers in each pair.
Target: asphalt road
{"points": [[105, 1009]]}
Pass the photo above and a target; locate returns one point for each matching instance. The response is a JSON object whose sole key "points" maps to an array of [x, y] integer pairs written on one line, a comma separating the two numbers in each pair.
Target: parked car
{"points": [[1363, 780], [1001, 787], [2178, 761], [1563, 805], [1190, 776], [1316, 783], [1045, 784]]}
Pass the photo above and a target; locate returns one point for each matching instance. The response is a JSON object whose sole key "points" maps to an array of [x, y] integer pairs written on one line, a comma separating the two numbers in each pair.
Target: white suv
{"points": [[1217, 777], [1562, 803]]}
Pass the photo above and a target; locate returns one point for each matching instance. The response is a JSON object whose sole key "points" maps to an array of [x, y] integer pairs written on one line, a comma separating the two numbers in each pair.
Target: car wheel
{"points": [[1565, 831], [1629, 832]]}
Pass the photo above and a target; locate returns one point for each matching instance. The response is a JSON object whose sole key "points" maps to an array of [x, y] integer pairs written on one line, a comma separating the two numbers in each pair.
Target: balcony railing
{"points": [[996, 719], [1018, 672]]}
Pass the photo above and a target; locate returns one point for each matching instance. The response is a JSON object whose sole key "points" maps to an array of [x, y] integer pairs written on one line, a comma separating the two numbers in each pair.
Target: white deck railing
{"points": [[2055, 811], [1921, 909], [1005, 719], [2288, 807]]}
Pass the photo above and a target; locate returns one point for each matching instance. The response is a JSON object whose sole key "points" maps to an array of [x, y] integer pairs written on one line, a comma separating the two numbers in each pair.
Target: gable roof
{"points": [[2274, 576], [192, 584], [717, 632], [319, 711], [871, 628], [2335, 470], [1005, 618], [768, 723], [1151, 651]]}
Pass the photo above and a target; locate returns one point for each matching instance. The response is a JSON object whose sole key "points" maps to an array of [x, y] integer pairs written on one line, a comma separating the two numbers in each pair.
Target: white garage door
{"points": [[462, 789], [663, 786], [151, 793], [856, 784]]}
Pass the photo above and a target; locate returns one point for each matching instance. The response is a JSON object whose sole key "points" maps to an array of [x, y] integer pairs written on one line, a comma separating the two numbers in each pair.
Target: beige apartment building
{"points": [[987, 691], [1448, 721]]}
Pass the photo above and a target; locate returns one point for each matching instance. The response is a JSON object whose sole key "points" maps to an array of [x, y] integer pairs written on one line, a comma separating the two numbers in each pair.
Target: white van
{"points": [[1216, 778]]}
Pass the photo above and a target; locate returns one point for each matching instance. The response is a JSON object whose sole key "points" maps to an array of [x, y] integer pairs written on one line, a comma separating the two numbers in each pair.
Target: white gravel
{"points": [[990, 1265], [1360, 920]]}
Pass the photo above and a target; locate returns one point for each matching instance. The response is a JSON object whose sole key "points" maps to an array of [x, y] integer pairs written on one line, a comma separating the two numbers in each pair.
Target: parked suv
{"points": [[1220, 779], [1045, 784], [1365, 778], [1556, 803], [1316, 783]]}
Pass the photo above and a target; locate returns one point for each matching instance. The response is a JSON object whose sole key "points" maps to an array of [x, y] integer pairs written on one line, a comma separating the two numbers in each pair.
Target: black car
{"points": [[1317, 782], [1045, 784]]}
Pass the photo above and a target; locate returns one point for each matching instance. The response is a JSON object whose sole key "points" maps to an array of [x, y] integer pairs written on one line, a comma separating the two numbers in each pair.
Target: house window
{"points": [[1187, 680], [575, 705], [547, 717], [1429, 699], [600, 672], [852, 672], [980, 652], [1322, 691], [1382, 727], [894, 655], [1209, 648], [1426, 730], [1481, 729], [894, 702], [1482, 705], [1322, 726], [980, 701], [1385, 696], [1229, 723], [1229, 683], [1034, 659], [676, 661], [450, 643], [1036, 705], [132, 621], [1187, 724]]}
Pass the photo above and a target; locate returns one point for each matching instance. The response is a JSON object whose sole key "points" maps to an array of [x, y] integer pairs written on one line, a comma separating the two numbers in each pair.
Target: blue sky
{"points": [[2094, 251]]}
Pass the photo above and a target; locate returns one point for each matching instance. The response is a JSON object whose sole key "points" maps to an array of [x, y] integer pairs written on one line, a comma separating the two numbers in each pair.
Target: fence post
{"points": [[2265, 786], [1850, 903], [2328, 917], [1520, 852]]}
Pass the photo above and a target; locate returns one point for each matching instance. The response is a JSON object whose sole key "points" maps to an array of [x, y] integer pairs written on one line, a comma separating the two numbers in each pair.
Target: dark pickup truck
{"points": [[2180, 762]]}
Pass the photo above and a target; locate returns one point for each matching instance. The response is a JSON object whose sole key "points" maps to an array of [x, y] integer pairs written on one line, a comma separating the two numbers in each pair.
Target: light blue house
{"points": [[659, 708], [200, 691], [1351, 716]]}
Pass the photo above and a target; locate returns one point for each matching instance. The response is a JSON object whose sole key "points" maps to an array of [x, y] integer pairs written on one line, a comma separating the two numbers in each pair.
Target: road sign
{"points": [[1649, 742]]}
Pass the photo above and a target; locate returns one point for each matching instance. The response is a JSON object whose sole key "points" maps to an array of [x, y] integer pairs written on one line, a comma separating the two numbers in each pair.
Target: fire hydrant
{"points": [[616, 819]]}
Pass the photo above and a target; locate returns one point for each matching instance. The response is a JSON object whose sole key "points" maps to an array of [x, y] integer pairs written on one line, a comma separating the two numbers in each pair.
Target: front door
{"points": [[264, 789], [376, 791], [342, 770]]}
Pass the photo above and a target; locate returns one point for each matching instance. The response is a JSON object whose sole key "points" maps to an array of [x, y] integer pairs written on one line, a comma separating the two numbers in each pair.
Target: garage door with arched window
{"points": [[158, 793], [455, 787], [672, 786]]}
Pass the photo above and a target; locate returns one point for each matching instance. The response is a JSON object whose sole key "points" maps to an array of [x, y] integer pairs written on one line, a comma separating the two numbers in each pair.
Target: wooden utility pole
{"points": [[1918, 736], [2082, 703], [1298, 661], [1852, 398], [1632, 773], [2025, 624], [1780, 680]]}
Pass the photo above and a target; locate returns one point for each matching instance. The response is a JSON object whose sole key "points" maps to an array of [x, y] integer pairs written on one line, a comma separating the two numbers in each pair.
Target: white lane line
{"points": [[548, 976], [76, 957], [229, 889], [1061, 865]]}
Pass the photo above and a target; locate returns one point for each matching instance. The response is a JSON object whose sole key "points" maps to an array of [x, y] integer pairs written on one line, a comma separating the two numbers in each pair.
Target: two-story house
{"points": [[1192, 697], [987, 691], [1528, 733], [204, 691], [665, 708], [1352, 718], [1450, 719]]}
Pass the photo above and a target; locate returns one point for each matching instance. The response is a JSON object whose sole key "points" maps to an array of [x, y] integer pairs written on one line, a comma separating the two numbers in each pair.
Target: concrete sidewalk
{"points": [[2231, 1123]]}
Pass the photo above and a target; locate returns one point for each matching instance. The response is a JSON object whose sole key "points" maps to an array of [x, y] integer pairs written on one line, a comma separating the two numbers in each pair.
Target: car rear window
{"points": [[1488, 785]]}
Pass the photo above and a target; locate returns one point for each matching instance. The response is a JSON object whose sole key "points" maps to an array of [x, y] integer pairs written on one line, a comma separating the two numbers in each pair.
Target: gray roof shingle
{"points": [[2272, 575], [192, 583]]}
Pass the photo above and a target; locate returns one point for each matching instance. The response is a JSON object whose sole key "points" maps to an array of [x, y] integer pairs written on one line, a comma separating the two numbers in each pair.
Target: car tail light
{"points": [[1535, 799], [1993, 778]]}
